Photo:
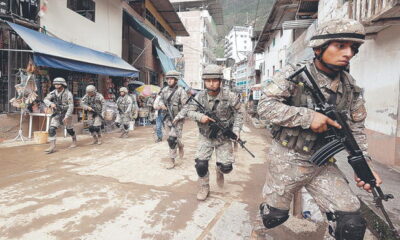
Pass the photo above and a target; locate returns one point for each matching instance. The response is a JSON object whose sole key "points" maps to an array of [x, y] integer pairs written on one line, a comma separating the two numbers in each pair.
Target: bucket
{"points": [[41, 137], [131, 125]]}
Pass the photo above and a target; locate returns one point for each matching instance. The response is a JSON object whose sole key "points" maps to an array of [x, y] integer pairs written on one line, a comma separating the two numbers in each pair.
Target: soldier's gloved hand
{"points": [[53, 105], [176, 120], [237, 134], [206, 119], [90, 109], [320, 123], [163, 107], [366, 186]]}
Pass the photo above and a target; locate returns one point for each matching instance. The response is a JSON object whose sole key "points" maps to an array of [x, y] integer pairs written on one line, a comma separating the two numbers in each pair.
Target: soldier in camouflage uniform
{"points": [[227, 107], [291, 109], [124, 103], [173, 97], [93, 103], [61, 102]]}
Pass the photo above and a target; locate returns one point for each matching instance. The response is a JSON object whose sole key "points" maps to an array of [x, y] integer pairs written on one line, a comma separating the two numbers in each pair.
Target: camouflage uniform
{"points": [[226, 105], [63, 116], [96, 102], [124, 115], [290, 108], [177, 101]]}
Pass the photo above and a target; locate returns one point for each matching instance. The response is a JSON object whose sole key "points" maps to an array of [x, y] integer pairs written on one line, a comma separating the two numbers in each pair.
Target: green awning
{"points": [[166, 62]]}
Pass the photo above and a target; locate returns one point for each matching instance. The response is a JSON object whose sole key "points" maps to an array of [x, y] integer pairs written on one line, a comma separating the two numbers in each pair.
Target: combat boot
{"points": [[171, 163], [204, 188], [181, 152], [220, 177], [95, 139], [52, 147], [99, 142], [124, 134], [73, 144]]}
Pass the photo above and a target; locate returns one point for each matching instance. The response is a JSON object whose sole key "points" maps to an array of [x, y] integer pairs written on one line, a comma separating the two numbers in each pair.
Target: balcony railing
{"points": [[370, 11]]}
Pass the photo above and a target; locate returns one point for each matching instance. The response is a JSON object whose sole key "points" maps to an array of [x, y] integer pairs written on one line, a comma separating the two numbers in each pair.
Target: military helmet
{"points": [[123, 89], [173, 74], [212, 71], [60, 81], [338, 30], [90, 88]]}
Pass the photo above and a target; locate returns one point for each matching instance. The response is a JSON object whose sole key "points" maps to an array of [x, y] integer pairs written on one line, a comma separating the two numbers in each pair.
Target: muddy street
{"points": [[121, 190]]}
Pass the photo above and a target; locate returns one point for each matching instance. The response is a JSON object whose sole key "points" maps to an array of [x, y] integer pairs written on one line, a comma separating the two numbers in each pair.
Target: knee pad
{"points": [[225, 168], [118, 125], [71, 132], [201, 167], [172, 141], [349, 225], [91, 129], [126, 126], [52, 131], [272, 217], [96, 129]]}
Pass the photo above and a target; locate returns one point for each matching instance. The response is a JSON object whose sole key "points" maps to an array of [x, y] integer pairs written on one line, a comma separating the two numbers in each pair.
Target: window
{"points": [[85, 8], [268, 49], [281, 32], [273, 42], [273, 69], [280, 64]]}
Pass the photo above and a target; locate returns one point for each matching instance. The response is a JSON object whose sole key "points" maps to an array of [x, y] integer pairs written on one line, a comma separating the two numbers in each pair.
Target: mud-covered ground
{"points": [[121, 190]]}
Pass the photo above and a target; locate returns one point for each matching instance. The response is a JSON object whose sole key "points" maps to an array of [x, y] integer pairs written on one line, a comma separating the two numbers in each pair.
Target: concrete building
{"points": [[238, 43], [200, 19]]}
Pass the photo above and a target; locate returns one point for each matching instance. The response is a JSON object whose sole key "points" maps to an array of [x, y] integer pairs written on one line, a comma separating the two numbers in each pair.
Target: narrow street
{"points": [[121, 190]]}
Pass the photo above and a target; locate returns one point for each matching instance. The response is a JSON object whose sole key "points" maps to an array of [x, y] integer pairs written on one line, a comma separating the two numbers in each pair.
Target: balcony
{"points": [[376, 14]]}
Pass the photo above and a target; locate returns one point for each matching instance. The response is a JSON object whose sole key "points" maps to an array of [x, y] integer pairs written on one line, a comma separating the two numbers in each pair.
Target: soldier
{"points": [[227, 107], [124, 115], [61, 102], [173, 97], [93, 103], [298, 126]]}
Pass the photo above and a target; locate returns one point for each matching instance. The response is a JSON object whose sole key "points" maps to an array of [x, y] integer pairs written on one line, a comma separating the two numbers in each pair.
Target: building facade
{"points": [[238, 43], [200, 18]]}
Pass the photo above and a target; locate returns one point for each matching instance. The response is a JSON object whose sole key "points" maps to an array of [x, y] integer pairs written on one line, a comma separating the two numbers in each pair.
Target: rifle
{"points": [[218, 126], [342, 139], [97, 113]]}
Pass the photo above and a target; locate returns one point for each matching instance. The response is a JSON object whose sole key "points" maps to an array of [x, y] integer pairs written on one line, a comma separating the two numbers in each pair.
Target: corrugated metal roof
{"points": [[167, 11], [213, 6], [282, 10]]}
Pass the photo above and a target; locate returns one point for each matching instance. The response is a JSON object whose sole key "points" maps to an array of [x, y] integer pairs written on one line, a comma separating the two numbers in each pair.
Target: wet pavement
{"points": [[121, 190]]}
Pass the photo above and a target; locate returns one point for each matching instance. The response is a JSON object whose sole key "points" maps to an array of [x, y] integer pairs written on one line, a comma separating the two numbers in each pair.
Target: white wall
{"points": [[192, 47], [276, 52], [105, 34], [377, 69]]}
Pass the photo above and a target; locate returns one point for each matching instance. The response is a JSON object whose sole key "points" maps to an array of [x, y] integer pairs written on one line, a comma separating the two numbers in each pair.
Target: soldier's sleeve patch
{"points": [[359, 114]]}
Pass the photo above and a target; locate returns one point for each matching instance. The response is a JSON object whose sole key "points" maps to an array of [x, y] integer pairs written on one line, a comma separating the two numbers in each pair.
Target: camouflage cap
{"points": [[338, 30], [60, 81], [123, 89], [90, 88], [173, 74], [212, 71]]}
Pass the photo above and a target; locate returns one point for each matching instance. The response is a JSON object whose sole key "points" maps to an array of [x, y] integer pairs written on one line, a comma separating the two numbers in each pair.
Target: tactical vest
{"points": [[223, 110], [306, 141], [174, 102], [123, 103], [94, 102], [61, 101]]}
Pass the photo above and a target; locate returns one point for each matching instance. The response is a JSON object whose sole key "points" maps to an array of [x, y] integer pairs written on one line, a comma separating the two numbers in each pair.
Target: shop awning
{"points": [[167, 65], [148, 33], [56, 53], [166, 62]]}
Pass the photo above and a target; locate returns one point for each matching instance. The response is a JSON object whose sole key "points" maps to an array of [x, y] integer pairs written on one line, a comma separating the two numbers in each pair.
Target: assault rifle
{"points": [[341, 139], [96, 113], [217, 125]]}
